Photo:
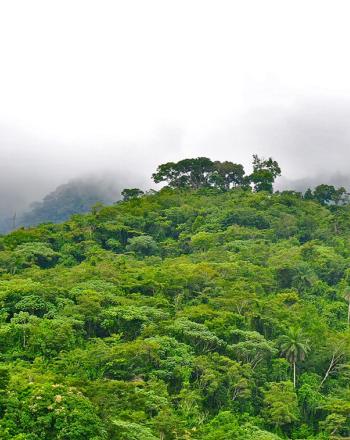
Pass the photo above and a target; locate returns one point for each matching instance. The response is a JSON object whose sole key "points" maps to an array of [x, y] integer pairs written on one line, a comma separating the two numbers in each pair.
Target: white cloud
{"points": [[88, 85]]}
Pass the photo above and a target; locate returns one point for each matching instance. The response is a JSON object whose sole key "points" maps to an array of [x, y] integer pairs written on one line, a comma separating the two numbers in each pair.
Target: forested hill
{"points": [[186, 314], [75, 197]]}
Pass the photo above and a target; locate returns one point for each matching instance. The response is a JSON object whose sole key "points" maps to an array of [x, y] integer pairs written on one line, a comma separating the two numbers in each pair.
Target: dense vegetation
{"points": [[204, 311]]}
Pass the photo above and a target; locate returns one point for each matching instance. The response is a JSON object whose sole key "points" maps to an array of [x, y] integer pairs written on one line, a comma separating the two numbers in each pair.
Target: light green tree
{"points": [[280, 404]]}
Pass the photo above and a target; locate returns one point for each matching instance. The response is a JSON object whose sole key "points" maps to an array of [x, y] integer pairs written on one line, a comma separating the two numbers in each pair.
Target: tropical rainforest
{"points": [[212, 309]]}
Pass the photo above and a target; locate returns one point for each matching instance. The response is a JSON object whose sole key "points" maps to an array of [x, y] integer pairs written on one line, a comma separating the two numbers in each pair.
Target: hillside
{"points": [[75, 197], [203, 314]]}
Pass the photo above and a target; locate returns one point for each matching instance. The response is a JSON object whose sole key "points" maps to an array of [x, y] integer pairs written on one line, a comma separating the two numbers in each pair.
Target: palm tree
{"points": [[347, 298], [294, 346]]}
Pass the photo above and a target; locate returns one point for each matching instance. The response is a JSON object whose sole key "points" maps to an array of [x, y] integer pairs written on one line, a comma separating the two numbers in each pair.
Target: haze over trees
{"points": [[74, 197], [213, 309]]}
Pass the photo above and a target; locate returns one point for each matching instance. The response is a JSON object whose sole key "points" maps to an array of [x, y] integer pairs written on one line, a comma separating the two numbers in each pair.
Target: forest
{"points": [[211, 309]]}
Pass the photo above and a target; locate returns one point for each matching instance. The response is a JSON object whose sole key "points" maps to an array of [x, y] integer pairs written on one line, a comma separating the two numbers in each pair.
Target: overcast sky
{"points": [[120, 86]]}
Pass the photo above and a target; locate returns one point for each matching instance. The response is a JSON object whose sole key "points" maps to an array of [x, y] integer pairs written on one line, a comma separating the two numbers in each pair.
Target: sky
{"points": [[114, 88]]}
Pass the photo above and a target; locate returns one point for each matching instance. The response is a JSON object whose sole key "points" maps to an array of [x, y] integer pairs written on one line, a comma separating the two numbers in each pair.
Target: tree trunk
{"points": [[328, 371], [294, 374]]}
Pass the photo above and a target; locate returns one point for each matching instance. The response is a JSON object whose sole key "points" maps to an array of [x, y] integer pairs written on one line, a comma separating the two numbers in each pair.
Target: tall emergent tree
{"points": [[201, 172], [227, 174], [294, 346], [264, 173], [193, 173]]}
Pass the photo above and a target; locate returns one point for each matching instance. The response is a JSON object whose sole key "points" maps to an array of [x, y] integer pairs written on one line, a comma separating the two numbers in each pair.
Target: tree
{"points": [[131, 193], [40, 254], [202, 241], [22, 321], [309, 395], [227, 174], [193, 173], [264, 173], [338, 408], [142, 245], [327, 194], [333, 423], [247, 217], [347, 299], [337, 351], [52, 411], [225, 426], [196, 335], [200, 173], [132, 431], [251, 347], [32, 304], [308, 194], [222, 380], [4, 382], [281, 404], [294, 346]]}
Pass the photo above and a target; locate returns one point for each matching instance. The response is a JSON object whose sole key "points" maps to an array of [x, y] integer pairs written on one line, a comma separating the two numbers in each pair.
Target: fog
{"points": [[108, 90]]}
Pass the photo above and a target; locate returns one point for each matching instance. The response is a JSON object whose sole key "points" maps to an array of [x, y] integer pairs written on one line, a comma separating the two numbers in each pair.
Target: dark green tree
{"points": [[227, 174], [131, 193], [192, 173], [264, 173], [327, 194]]}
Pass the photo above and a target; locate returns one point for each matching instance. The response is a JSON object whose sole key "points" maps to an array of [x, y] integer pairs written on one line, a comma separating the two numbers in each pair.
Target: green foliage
{"points": [[51, 411], [326, 194], [200, 313], [143, 245], [203, 173], [131, 193], [132, 431], [28, 254], [264, 173], [200, 173], [294, 346], [226, 426], [281, 404], [227, 174]]}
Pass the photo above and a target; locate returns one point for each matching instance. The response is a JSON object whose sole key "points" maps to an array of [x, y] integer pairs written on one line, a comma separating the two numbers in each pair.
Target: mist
{"points": [[310, 139], [130, 85]]}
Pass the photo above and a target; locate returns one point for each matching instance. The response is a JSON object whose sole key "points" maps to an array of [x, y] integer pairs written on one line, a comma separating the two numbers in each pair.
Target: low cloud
{"points": [[310, 138]]}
